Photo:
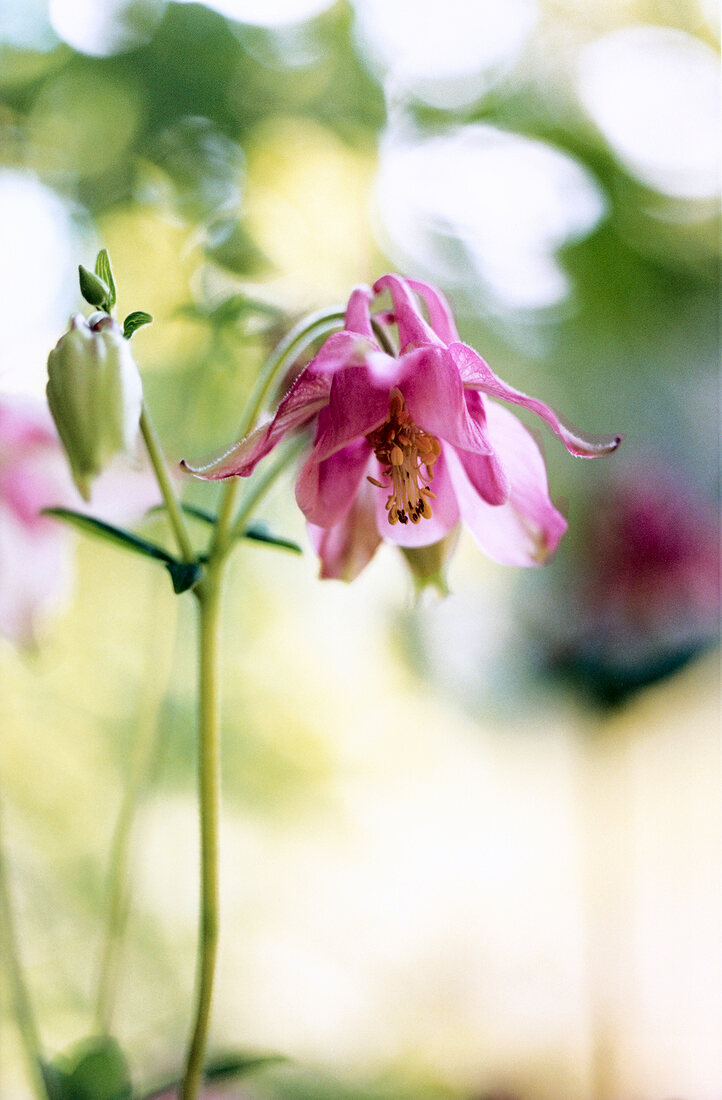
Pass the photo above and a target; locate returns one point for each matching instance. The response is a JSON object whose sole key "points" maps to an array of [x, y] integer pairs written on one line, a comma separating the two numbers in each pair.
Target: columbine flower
{"points": [[407, 445], [643, 596], [95, 395]]}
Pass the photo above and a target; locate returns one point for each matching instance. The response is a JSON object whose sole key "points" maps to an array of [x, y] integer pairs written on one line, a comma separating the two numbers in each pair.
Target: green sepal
{"points": [[183, 574], [96, 1070], [104, 271], [94, 289], [221, 1068], [135, 321]]}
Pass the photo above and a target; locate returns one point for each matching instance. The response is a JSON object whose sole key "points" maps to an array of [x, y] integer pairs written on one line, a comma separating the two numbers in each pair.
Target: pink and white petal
{"points": [[325, 490], [445, 511], [347, 547], [413, 328], [435, 398], [477, 374], [527, 529], [306, 397], [358, 403], [36, 567], [358, 317], [440, 315]]}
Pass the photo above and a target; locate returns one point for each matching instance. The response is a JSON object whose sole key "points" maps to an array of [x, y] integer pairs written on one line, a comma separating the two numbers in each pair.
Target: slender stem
{"points": [[23, 1009], [175, 515], [303, 334], [208, 594], [145, 746], [261, 485], [307, 330]]}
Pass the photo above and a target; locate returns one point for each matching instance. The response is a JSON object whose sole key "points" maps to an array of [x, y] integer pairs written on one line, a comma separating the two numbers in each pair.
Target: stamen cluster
{"points": [[407, 455]]}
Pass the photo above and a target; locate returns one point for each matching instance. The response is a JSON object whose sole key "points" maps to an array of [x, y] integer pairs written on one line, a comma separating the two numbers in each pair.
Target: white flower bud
{"points": [[95, 395]]}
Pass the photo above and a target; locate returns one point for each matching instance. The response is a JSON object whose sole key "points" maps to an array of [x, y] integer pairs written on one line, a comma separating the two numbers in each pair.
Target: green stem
{"points": [[261, 485], [208, 594], [299, 337], [175, 515], [23, 1009]]}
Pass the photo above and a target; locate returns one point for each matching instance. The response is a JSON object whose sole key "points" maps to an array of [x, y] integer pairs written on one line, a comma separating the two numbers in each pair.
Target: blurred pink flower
{"points": [[407, 445], [35, 560], [643, 596]]}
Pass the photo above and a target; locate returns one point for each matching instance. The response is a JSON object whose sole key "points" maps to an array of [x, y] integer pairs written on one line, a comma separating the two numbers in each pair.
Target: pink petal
{"points": [[413, 329], [306, 397], [36, 569], [358, 403], [441, 317], [325, 490], [347, 547], [445, 511], [527, 529], [485, 472], [358, 317], [477, 374], [434, 396]]}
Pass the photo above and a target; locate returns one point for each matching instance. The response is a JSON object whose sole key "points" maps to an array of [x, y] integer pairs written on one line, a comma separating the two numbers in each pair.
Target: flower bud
{"points": [[427, 564], [95, 395]]}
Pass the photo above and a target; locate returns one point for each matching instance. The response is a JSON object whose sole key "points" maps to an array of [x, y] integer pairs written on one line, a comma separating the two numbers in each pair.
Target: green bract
{"points": [[95, 395]]}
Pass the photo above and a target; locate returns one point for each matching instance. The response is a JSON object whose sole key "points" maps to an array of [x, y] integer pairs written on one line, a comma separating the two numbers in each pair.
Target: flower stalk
{"points": [[208, 595]]}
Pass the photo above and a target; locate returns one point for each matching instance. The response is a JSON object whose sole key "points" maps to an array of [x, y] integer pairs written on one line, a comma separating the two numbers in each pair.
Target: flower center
{"points": [[407, 455]]}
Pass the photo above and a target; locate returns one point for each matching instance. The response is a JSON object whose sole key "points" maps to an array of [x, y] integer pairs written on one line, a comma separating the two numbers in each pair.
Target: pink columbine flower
{"points": [[407, 445]]}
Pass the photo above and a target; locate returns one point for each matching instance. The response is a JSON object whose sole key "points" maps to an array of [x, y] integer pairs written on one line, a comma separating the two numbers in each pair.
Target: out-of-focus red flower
{"points": [[644, 594]]}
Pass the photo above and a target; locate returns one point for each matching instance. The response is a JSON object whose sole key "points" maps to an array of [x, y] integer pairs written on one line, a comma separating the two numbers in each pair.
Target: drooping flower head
{"points": [[407, 444], [95, 395]]}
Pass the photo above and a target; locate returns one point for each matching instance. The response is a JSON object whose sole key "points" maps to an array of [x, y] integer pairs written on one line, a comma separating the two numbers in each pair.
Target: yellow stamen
{"points": [[407, 455]]}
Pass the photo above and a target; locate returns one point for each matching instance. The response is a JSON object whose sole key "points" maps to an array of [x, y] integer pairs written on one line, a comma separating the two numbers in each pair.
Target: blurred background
{"points": [[471, 847]]}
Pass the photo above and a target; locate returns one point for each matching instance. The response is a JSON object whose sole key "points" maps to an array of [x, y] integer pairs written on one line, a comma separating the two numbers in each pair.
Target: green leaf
{"points": [[95, 290], [222, 1068], [258, 532], [183, 574], [96, 1070], [108, 532], [225, 1066], [135, 321], [105, 272], [231, 246]]}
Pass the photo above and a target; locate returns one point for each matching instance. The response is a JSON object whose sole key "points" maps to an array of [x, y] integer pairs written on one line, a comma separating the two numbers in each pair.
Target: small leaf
{"points": [[183, 574], [107, 531], [258, 532], [101, 1073], [190, 510], [95, 291], [135, 321], [222, 1068], [239, 1065], [104, 271]]}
